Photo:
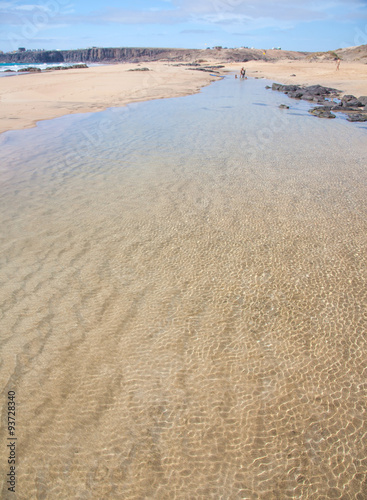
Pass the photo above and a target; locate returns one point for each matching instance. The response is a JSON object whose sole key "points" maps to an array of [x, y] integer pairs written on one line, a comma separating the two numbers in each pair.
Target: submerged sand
{"points": [[184, 302]]}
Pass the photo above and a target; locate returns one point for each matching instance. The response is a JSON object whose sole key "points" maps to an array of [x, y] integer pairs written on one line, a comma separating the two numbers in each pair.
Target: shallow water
{"points": [[184, 301]]}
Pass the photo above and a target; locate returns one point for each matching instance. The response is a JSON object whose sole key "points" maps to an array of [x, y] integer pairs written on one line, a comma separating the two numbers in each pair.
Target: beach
{"points": [[28, 98], [351, 78], [183, 299]]}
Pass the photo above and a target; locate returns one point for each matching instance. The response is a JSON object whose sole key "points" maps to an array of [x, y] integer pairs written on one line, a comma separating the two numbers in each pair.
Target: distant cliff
{"points": [[131, 54], [97, 55], [124, 54], [32, 57]]}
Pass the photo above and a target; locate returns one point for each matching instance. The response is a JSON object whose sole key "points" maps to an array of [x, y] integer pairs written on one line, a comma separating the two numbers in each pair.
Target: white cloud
{"points": [[232, 12], [264, 13]]}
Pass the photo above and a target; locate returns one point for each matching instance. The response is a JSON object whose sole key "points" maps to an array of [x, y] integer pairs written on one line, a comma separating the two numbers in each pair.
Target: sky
{"points": [[289, 24]]}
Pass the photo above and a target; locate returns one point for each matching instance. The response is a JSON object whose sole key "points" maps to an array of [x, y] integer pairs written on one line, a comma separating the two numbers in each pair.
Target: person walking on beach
{"points": [[243, 72], [337, 64]]}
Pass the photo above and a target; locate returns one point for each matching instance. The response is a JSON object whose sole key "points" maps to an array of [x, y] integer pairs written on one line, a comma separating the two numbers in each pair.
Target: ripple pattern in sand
{"points": [[192, 327]]}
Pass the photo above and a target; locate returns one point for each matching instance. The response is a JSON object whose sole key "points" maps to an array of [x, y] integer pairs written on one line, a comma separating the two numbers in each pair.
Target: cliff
{"points": [[131, 54], [96, 55]]}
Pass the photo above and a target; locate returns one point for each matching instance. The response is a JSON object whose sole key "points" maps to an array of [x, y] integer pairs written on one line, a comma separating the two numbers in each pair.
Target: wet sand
{"points": [[28, 98], [184, 302]]}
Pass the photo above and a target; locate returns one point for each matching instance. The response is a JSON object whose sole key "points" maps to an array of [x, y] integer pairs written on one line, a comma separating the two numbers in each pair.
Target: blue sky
{"points": [[289, 24]]}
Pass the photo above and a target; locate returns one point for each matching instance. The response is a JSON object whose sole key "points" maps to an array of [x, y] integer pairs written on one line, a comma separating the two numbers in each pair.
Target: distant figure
{"points": [[242, 72], [337, 64], [235, 76]]}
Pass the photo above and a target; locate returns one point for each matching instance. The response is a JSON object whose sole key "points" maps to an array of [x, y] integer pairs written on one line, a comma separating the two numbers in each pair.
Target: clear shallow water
{"points": [[184, 300]]}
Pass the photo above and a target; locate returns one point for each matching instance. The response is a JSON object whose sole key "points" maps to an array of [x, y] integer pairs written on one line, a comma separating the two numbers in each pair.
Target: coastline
{"points": [[28, 98]]}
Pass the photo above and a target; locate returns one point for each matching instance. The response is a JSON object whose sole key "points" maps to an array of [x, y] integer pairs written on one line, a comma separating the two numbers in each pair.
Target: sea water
{"points": [[183, 300], [6, 69]]}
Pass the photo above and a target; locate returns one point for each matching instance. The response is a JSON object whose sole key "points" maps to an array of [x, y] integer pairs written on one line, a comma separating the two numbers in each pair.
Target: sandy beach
{"points": [[351, 78], [183, 290], [28, 98]]}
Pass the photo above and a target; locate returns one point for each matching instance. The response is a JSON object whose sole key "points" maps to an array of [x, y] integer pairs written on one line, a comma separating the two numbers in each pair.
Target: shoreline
{"points": [[52, 94], [351, 78], [43, 96]]}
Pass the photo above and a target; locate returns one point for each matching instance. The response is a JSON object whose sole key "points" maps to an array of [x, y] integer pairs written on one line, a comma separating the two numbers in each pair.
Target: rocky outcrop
{"points": [[29, 70], [355, 109], [63, 68], [316, 93], [358, 117], [321, 112], [351, 101]]}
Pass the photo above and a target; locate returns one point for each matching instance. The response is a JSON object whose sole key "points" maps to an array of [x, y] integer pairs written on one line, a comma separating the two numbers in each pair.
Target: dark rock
{"points": [[325, 96], [293, 75], [78, 66], [285, 88], [63, 68], [140, 69], [317, 90], [9, 71], [296, 94], [290, 88], [321, 112], [313, 92], [359, 117], [31, 69], [267, 87], [350, 100], [283, 106]]}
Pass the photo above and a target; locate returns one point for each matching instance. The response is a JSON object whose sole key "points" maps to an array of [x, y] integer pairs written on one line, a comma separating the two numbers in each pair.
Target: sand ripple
{"points": [[190, 328]]}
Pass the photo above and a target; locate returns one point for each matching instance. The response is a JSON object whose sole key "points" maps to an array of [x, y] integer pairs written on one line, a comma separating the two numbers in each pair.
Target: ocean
{"points": [[7, 68], [183, 300]]}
